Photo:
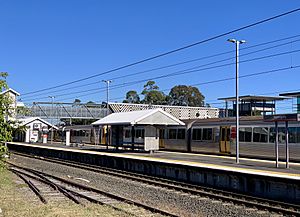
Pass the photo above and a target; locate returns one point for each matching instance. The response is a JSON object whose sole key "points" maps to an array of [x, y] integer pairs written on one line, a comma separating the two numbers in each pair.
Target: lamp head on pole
{"points": [[236, 41], [232, 40], [107, 81]]}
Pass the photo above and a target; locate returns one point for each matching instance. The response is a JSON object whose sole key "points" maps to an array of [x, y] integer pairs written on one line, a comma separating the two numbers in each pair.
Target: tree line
{"points": [[179, 95]]}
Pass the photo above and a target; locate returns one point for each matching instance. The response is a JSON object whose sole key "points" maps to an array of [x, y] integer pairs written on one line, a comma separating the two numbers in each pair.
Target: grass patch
{"points": [[14, 203]]}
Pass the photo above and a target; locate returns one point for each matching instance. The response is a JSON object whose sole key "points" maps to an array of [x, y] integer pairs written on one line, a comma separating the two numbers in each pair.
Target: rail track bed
{"points": [[48, 187], [252, 206]]}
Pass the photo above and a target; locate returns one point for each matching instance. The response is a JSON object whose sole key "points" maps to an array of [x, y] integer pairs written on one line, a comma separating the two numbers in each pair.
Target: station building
{"points": [[36, 130]]}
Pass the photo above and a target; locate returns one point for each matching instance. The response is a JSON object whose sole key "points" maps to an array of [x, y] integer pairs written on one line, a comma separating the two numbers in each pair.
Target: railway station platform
{"points": [[252, 176]]}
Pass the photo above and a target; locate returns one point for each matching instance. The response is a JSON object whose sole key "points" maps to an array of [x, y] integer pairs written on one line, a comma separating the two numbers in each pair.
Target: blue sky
{"points": [[51, 42]]}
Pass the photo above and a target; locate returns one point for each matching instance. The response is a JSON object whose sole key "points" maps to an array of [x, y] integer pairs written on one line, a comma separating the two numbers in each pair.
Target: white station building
{"points": [[36, 130]]}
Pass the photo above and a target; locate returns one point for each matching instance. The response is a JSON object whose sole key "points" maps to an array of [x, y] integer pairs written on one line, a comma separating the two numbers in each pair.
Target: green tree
{"points": [[90, 104], [152, 95], [6, 127], [182, 95], [76, 102], [7, 124], [132, 97]]}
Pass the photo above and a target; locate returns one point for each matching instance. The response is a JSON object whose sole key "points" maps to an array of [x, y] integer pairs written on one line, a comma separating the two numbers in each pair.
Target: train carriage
{"points": [[216, 135]]}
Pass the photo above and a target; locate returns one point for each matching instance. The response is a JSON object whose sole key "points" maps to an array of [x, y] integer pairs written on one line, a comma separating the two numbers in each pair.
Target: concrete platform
{"points": [[251, 176]]}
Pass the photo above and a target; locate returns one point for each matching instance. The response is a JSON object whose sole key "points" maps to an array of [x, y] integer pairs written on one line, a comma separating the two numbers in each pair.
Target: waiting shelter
{"points": [[147, 121]]}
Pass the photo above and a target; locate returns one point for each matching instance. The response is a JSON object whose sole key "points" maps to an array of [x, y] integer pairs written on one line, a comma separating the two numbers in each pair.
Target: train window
{"points": [[245, 134], [172, 134], [181, 134], [127, 133], [260, 134], [197, 133], [207, 134], [281, 134], [294, 134]]}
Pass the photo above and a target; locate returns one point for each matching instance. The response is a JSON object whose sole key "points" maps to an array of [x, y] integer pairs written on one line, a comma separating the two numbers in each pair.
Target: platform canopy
{"points": [[248, 98], [291, 94], [143, 117]]}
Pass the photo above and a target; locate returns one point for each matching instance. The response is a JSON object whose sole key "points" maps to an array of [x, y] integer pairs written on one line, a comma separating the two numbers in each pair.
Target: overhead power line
{"points": [[185, 71], [171, 51], [183, 62], [175, 74], [202, 83]]}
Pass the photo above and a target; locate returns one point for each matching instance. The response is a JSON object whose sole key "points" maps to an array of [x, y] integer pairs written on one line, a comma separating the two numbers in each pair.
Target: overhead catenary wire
{"points": [[171, 51], [207, 82], [184, 62], [180, 72]]}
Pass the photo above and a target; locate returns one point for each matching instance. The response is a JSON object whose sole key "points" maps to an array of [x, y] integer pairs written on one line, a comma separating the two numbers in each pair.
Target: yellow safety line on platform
{"points": [[178, 162]]}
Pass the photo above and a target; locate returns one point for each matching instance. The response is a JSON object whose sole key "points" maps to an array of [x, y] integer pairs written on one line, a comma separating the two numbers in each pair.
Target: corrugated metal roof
{"points": [[143, 117]]}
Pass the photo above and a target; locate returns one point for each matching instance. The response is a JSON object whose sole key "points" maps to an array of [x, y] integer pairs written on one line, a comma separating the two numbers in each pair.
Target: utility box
{"points": [[151, 138]]}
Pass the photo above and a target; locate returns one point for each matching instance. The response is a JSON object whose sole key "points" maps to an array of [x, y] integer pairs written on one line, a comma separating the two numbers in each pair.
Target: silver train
{"points": [[215, 136]]}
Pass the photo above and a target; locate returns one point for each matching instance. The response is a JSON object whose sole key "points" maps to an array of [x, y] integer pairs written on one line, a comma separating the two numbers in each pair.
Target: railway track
{"points": [[225, 196], [79, 193]]}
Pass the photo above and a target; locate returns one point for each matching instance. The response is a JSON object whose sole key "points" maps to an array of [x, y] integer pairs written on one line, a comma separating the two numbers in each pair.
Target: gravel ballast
{"points": [[182, 204]]}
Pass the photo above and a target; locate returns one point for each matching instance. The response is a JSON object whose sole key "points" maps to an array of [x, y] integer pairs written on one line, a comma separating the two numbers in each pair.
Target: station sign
{"points": [[282, 117]]}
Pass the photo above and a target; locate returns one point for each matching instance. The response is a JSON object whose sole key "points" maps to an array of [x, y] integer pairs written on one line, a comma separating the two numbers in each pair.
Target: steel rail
{"points": [[48, 182], [92, 189], [57, 187], [252, 201], [67, 192], [31, 186]]}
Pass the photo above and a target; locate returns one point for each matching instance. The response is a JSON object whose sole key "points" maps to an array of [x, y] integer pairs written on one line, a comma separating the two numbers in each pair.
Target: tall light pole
{"points": [[237, 143], [107, 107], [107, 91], [52, 114]]}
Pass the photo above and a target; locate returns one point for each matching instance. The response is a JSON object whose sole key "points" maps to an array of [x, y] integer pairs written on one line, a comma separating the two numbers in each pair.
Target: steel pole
{"points": [[237, 103], [287, 154], [276, 145], [107, 93], [107, 108], [52, 119]]}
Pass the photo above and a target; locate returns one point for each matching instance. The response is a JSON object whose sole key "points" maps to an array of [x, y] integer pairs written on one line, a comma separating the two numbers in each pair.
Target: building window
{"points": [[207, 134], [127, 133], [245, 134], [260, 134], [180, 133], [172, 134], [197, 134]]}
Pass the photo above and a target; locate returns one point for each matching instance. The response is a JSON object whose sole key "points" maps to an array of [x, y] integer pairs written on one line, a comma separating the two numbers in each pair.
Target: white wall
{"points": [[33, 135]]}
